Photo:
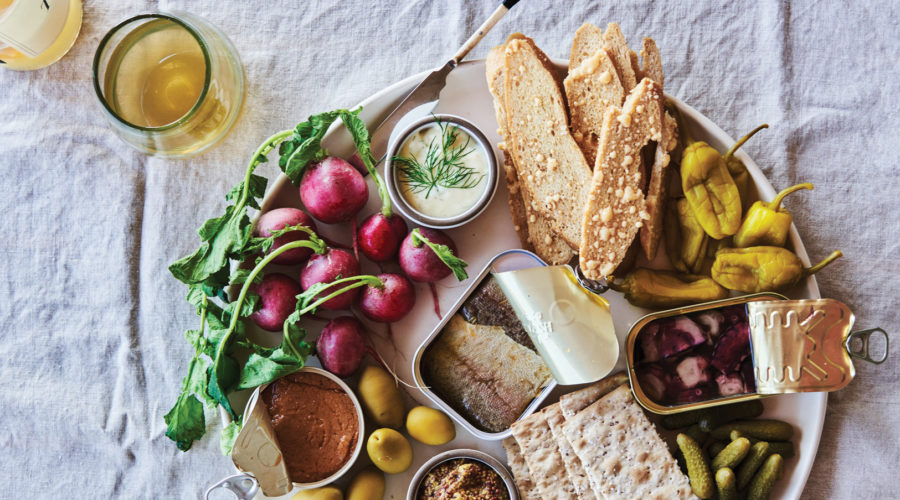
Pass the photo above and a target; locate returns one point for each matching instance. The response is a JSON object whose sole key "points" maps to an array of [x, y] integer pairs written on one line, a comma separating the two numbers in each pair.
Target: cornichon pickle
{"points": [[759, 452], [716, 447], [783, 448], [696, 433], [724, 414], [765, 429], [727, 484], [732, 454], [764, 480], [679, 420], [738, 434], [698, 470]]}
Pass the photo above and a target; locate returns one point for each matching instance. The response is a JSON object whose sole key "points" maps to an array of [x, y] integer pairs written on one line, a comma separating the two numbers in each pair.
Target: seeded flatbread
{"points": [[575, 471], [621, 451], [519, 469], [543, 458]]}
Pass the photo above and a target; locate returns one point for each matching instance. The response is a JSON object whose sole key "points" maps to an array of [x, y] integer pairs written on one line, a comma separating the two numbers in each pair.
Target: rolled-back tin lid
{"points": [[256, 449], [571, 327], [804, 345]]}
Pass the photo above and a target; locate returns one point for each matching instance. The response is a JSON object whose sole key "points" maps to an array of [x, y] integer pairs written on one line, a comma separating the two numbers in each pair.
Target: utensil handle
{"points": [[483, 30]]}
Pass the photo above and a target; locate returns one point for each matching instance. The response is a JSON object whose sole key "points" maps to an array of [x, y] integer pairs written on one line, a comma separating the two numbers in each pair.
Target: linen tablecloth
{"points": [[91, 322]]}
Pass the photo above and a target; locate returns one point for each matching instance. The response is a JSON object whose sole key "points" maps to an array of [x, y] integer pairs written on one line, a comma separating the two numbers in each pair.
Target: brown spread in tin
{"points": [[462, 479], [316, 424]]}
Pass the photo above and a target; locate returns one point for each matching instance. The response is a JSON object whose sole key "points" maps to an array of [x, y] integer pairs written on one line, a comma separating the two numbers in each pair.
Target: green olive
{"points": [[381, 397], [325, 493], [389, 451], [430, 426], [367, 485]]}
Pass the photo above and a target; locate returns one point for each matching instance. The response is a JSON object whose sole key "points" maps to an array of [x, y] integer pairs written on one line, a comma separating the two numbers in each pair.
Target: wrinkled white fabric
{"points": [[91, 322]]}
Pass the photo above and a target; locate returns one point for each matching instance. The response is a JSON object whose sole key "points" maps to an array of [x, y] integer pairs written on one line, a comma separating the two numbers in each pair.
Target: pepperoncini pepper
{"points": [[738, 170], [762, 269], [708, 187], [767, 223], [694, 240], [665, 289]]}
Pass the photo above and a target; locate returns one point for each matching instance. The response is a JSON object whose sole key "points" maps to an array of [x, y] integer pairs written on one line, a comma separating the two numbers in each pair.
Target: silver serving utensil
{"points": [[430, 88]]}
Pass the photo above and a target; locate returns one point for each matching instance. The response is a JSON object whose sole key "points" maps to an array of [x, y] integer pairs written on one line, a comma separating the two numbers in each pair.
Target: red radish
{"points": [[277, 297], [419, 261], [342, 345], [280, 218], [380, 236], [388, 303], [327, 267], [333, 190]]}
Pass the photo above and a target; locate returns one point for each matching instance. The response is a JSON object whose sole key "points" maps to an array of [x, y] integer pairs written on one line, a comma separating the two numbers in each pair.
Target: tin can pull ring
{"points": [[596, 286], [863, 351], [242, 486]]}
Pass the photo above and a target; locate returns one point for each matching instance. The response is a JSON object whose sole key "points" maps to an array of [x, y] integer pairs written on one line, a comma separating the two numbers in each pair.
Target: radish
{"points": [[380, 236], [342, 345], [429, 255], [389, 302], [278, 298], [333, 264], [333, 190], [280, 218]]}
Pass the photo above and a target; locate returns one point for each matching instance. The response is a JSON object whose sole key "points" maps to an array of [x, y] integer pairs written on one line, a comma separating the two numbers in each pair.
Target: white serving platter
{"points": [[466, 95]]}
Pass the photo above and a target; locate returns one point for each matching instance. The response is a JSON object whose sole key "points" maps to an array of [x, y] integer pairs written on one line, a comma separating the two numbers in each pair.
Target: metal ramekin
{"points": [[493, 175], [528, 260], [480, 456]]}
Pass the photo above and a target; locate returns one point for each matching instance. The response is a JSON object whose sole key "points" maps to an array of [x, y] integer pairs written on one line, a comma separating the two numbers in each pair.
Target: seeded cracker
{"points": [[519, 469], [622, 453], [574, 402], [572, 464], [616, 208], [542, 456]]}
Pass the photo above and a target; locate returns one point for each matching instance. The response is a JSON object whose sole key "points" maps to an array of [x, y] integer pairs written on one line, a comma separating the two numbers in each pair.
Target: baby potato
{"points": [[430, 426], [389, 451], [324, 493], [367, 485], [381, 397]]}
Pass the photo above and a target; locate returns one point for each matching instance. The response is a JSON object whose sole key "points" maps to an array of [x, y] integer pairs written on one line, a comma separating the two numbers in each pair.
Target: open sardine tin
{"points": [[795, 346], [570, 327]]}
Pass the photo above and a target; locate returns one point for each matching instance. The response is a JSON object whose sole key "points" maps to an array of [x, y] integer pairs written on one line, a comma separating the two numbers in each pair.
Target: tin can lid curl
{"points": [[571, 327]]}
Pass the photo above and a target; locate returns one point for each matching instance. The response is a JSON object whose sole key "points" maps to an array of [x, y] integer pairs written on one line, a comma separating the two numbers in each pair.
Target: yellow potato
{"points": [[381, 397], [430, 426], [367, 485], [389, 451], [325, 493]]}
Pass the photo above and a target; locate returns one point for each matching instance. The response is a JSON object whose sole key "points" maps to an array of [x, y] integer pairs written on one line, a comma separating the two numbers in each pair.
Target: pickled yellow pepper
{"points": [[762, 269], [767, 223], [686, 241], [708, 186], [738, 170], [664, 289]]}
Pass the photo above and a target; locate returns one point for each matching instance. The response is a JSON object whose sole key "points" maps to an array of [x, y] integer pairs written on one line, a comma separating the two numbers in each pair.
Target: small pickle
{"points": [[767, 223], [709, 187], [766, 429], [764, 480], [716, 447], [686, 418], [727, 484], [729, 413], [732, 455], [696, 433], [762, 269], [698, 470], [665, 289], [738, 170], [759, 452], [783, 448]]}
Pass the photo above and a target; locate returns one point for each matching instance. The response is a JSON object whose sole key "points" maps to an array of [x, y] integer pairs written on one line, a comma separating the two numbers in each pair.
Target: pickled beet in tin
{"points": [[695, 357]]}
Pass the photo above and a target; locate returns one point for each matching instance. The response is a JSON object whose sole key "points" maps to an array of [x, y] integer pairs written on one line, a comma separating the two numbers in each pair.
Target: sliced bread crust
{"points": [[532, 228], [551, 167], [616, 207]]}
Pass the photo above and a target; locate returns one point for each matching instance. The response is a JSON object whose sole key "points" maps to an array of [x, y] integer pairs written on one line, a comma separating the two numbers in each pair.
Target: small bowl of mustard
{"points": [[441, 171], [469, 474]]}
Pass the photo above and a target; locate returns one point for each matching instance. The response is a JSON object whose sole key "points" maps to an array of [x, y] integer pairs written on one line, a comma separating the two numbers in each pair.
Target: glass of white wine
{"points": [[171, 84], [37, 33]]}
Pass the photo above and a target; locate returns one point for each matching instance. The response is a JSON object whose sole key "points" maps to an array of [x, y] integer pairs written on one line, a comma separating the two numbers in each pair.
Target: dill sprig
{"points": [[443, 165]]}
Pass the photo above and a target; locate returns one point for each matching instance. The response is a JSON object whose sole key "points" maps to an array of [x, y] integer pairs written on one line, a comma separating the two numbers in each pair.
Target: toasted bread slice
{"points": [[614, 42], [658, 190], [591, 89], [588, 41], [551, 168], [616, 207], [532, 228], [652, 62]]}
